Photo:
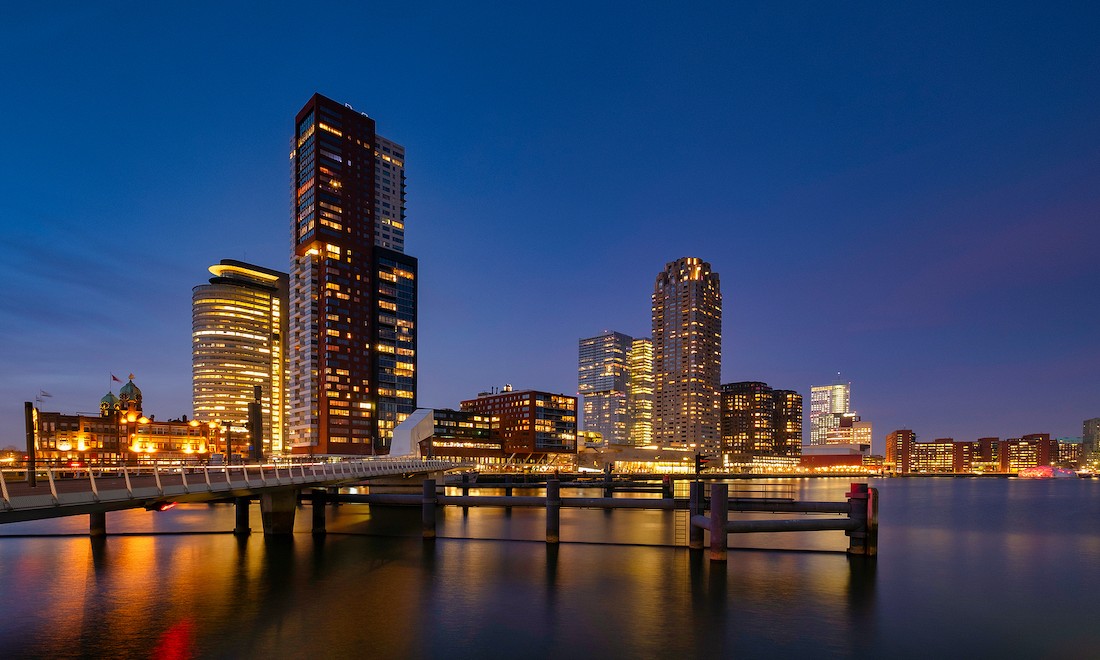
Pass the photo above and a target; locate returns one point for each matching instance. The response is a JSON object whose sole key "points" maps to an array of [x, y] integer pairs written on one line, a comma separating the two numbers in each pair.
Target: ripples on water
{"points": [[968, 567]]}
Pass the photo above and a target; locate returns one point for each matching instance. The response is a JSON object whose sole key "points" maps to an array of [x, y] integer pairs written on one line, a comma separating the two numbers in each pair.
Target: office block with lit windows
{"points": [[353, 291], [534, 427]]}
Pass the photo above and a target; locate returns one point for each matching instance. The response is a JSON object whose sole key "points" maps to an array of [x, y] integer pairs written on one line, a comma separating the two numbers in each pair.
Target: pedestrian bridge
{"points": [[69, 492]]}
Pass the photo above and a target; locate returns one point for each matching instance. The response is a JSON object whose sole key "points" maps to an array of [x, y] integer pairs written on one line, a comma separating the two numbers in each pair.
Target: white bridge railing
{"points": [[59, 487]]}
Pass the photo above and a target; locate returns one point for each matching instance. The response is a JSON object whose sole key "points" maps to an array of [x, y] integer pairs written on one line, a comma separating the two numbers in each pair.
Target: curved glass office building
{"points": [[239, 323]]}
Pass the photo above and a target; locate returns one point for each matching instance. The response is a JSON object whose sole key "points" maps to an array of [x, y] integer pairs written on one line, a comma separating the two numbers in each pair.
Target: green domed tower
{"points": [[108, 404], [129, 396]]}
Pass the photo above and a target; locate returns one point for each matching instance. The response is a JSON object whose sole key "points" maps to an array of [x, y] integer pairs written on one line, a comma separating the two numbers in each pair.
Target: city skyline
{"points": [[951, 202]]}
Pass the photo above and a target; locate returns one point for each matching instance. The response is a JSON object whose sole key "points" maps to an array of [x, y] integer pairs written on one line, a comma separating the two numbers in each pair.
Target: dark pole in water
{"points": [[553, 511], [427, 513], [242, 528], [695, 508], [319, 497], [719, 510]]}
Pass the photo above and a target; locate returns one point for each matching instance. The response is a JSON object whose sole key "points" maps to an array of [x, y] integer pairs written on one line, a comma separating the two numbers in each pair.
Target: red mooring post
{"points": [[863, 508]]}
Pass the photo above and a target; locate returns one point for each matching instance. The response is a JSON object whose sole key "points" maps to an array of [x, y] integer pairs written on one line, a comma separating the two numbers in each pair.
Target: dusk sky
{"points": [[907, 194]]}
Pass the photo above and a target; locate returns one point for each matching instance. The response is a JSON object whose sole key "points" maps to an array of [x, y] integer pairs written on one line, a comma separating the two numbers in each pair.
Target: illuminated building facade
{"points": [[1031, 450], [121, 433], [640, 391], [533, 427], [788, 423], [352, 373], [828, 406], [238, 328], [904, 455], [687, 355], [748, 421], [1090, 440], [604, 381], [899, 450], [463, 436]]}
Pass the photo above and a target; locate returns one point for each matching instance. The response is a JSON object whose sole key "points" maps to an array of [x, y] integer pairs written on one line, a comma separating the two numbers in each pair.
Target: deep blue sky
{"points": [[908, 194]]}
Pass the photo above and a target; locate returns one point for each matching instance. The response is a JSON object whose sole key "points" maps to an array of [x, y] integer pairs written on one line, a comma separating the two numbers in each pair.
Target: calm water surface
{"points": [[967, 567]]}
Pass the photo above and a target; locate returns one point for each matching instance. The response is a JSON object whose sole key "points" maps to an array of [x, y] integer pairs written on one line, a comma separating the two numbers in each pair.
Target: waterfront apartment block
{"points": [[533, 427], [353, 320], [463, 437], [687, 355], [905, 455], [758, 421], [604, 384], [238, 332], [640, 391]]}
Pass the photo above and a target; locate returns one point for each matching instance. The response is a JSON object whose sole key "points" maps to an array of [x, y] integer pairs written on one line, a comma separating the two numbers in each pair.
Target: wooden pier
{"points": [[706, 514]]}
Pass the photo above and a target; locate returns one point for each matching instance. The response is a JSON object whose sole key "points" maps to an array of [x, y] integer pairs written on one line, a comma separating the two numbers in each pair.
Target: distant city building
{"points": [[238, 332], [904, 455], [788, 423], [687, 355], [759, 422], [533, 427], [640, 391], [747, 421], [121, 433], [353, 291], [1031, 450], [1071, 453], [899, 450], [837, 458], [462, 436], [1090, 440], [829, 404], [604, 384]]}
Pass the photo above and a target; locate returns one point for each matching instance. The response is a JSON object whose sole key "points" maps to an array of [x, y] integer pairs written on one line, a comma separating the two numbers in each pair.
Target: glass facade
{"points": [[238, 331], [352, 289], [603, 382]]}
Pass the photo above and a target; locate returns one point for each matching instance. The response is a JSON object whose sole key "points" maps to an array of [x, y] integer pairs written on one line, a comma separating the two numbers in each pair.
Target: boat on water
{"points": [[1046, 472]]}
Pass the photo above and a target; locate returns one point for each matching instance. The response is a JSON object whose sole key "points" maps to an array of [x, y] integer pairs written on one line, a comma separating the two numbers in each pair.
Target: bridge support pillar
{"points": [[553, 511], [320, 496], [97, 524], [695, 508], [427, 511], [719, 511], [277, 511], [241, 527]]}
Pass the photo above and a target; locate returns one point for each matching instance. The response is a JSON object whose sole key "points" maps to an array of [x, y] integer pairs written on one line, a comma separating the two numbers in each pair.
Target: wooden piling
{"points": [[719, 510], [427, 512], [695, 508], [553, 511]]}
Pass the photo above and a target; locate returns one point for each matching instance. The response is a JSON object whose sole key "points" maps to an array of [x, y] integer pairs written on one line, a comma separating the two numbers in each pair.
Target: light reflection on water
{"points": [[967, 567]]}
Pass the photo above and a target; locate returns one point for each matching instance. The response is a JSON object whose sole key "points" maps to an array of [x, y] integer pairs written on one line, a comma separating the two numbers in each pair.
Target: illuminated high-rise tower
{"points": [[352, 288], [640, 391], [238, 335], [603, 379], [687, 354]]}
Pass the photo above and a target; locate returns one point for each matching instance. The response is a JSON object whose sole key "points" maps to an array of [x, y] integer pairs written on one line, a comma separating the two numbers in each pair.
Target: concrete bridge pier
{"points": [[277, 511], [241, 527], [319, 499], [97, 524]]}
